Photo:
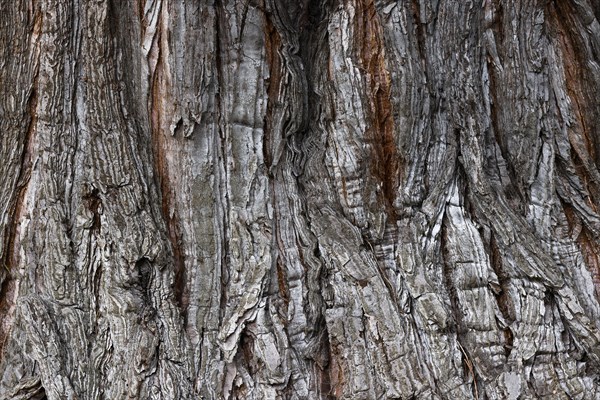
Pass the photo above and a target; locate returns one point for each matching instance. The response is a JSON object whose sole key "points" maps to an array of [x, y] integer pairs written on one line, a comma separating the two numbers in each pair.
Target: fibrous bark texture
{"points": [[299, 199]]}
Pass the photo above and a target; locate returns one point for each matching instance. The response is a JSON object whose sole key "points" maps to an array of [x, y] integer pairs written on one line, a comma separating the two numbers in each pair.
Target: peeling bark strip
{"points": [[274, 199]]}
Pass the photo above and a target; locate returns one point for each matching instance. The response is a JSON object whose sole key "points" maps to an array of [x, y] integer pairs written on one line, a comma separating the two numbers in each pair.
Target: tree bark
{"points": [[276, 199]]}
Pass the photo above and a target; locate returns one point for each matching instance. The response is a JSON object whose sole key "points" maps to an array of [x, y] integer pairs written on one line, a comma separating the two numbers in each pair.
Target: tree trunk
{"points": [[282, 199]]}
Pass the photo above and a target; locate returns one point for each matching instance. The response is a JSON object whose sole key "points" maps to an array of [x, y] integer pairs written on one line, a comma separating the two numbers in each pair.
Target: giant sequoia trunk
{"points": [[282, 199]]}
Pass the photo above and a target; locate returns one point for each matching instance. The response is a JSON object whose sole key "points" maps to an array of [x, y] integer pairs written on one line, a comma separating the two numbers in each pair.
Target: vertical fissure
{"points": [[386, 160], [160, 144], [272, 44], [9, 284], [220, 157], [501, 294], [420, 31]]}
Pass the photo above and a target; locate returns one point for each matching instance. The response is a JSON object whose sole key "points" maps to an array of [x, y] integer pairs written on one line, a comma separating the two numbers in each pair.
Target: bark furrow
{"points": [[271, 199]]}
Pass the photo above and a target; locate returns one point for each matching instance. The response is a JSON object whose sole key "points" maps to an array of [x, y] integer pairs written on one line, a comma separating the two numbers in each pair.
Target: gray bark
{"points": [[275, 199]]}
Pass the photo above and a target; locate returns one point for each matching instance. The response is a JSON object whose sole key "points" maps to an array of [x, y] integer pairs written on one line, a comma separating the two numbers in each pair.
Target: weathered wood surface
{"points": [[270, 199]]}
